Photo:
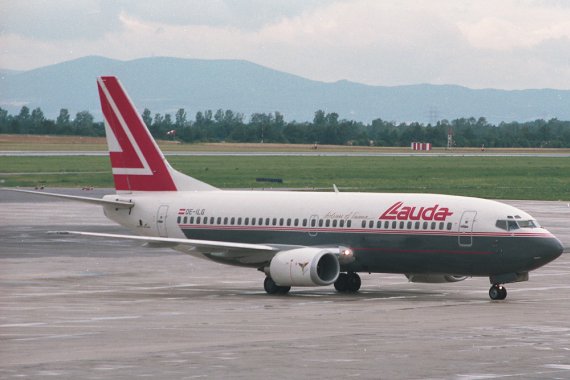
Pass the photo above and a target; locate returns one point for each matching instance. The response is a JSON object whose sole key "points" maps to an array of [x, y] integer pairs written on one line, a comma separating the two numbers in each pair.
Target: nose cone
{"points": [[550, 249]]}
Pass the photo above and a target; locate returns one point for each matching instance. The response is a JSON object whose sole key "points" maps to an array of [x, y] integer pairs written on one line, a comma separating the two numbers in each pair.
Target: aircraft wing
{"points": [[170, 242]]}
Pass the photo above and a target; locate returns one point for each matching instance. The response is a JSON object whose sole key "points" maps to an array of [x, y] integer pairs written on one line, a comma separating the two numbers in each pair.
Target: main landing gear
{"points": [[347, 282], [272, 288], [498, 292]]}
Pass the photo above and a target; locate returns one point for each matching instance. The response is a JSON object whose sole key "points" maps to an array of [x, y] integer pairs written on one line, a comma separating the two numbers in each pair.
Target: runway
{"points": [[74, 307], [291, 154]]}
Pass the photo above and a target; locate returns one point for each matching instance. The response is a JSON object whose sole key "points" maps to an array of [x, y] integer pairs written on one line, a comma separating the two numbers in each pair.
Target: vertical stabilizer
{"points": [[137, 162]]}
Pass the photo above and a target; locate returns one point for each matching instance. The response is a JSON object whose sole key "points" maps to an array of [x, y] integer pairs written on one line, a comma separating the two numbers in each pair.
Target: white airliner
{"points": [[311, 238]]}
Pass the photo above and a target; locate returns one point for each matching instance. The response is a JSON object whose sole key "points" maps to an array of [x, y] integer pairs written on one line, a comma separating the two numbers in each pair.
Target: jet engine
{"points": [[434, 278], [305, 267]]}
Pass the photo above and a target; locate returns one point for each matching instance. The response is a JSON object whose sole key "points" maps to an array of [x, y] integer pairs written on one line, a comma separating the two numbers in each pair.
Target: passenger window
{"points": [[386, 224], [205, 220], [417, 226], [226, 220], [274, 222], [409, 225], [253, 221], [334, 222], [379, 224], [449, 225], [327, 223], [296, 222], [239, 222], [313, 223], [233, 221], [260, 222], [433, 225], [267, 221], [401, 225], [371, 224], [288, 222], [304, 222], [185, 219], [394, 225], [349, 223], [341, 223], [191, 220], [281, 221], [198, 220], [246, 221], [320, 222], [219, 220], [441, 225], [179, 219], [364, 224]]}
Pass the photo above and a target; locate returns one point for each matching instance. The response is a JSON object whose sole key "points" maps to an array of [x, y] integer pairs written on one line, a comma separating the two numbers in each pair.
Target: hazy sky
{"points": [[507, 44]]}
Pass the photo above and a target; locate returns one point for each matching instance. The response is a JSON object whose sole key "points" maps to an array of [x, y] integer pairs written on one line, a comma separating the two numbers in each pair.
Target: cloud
{"points": [[508, 44]]}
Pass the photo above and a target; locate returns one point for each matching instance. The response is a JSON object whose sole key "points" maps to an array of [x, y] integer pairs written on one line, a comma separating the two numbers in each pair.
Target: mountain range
{"points": [[164, 85]]}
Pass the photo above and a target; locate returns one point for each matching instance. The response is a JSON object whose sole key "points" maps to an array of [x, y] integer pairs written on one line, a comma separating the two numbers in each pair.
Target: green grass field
{"points": [[538, 178]]}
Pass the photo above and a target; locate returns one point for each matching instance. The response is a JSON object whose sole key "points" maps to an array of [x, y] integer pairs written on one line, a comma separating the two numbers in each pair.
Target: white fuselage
{"points": [[427, 232]]}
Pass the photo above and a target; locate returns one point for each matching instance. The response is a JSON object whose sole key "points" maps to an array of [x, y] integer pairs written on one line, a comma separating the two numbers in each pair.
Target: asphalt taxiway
{"points": [[75, 307]]}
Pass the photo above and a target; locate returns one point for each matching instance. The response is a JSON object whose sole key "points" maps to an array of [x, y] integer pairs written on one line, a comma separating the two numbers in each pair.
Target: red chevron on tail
{"points": [[137, 162]]}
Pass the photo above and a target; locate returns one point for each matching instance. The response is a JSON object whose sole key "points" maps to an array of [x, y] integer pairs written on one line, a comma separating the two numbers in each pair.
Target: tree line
{"points": [[326, 128]]}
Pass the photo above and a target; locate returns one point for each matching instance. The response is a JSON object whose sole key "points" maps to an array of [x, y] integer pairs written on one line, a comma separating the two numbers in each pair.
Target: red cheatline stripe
{"points": [[353, 230]]}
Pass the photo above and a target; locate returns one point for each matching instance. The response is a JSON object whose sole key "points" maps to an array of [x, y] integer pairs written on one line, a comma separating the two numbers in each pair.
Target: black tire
{"points": [[283, 289], [497, 293], [270, 286], [341, 283], [503, 293], [354, 282]]}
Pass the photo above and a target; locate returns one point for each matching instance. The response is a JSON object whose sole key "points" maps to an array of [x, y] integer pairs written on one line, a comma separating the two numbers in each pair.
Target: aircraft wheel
{"points": [[503, 293], [283, 289], [270, 286], [354, 282], [341, 283], [497, 292]]}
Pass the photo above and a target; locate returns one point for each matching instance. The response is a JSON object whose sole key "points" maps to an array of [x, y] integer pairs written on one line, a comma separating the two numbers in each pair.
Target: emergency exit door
{"points": [[161, 216], [466, 228]]}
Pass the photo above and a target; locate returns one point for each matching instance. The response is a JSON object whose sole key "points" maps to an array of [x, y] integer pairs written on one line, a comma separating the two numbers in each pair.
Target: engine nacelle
{"points": [[305, 267], [434, 278]]}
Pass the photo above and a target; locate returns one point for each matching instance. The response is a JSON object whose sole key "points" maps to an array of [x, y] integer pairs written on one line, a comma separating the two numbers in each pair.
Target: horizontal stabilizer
{"points": [[98, 201]]}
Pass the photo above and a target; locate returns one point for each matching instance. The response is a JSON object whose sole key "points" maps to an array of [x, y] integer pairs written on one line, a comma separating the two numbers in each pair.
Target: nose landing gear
{"points": [[498, 292]]}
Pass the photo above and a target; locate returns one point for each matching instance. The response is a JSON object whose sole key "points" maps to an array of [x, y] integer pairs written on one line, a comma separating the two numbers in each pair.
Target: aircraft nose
{"points": [[551, 249]]}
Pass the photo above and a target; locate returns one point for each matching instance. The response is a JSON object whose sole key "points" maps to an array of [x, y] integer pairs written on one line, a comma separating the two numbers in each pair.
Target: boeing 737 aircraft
{"points": [[311, 238]]}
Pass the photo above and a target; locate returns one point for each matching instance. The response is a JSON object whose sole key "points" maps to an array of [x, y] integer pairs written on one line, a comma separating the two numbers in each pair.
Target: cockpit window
{"points": [[502, 224], [511, 225], [528, 224]]}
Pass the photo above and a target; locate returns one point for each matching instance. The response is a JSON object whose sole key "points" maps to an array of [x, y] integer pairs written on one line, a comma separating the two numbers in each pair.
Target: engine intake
{"points": [[305, 267]]}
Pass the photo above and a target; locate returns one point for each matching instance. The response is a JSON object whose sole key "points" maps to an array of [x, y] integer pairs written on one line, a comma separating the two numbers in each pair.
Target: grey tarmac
{"points": [[74, 307]]}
